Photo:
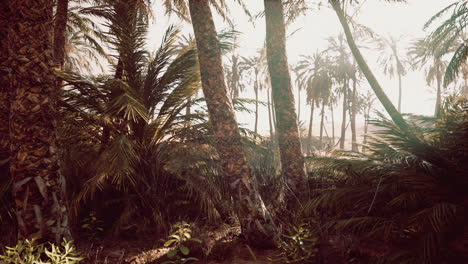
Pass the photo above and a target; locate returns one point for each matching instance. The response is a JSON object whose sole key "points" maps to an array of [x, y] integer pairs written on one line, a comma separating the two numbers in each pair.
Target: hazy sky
{"points": [[385, 19]]}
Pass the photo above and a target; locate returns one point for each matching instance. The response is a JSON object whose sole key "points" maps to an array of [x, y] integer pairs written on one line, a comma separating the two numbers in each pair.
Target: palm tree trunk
{"points": [[354, 146], [292, 160], [298, 103], [366, 125], [8, 227], [333, 123], [270, 116], [399, 92], [61, 17], [4, 84], [273, 111], [439, 90], [255, 222], [256, 108], [388, 105], [40, 203], [309, 136], [343, 123], [322, 113]]}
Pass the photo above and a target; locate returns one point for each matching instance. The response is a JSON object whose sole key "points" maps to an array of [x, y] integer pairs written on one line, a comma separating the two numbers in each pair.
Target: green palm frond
{"points": [[450, 32], [409, 190]]}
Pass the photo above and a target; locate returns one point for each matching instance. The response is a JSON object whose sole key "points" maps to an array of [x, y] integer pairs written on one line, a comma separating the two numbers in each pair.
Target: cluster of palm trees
{"points": [[121, 132]]}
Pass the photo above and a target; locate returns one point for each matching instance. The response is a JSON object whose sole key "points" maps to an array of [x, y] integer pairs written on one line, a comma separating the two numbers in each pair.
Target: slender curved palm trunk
{"points": [[309, 136], [255, 221], [40, 205], [383, 98], [292, 160], [353, 112], [343, 122]]}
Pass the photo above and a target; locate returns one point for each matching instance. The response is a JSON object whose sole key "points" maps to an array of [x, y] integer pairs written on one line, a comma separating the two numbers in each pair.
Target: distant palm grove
{"points": [[113, 153]]}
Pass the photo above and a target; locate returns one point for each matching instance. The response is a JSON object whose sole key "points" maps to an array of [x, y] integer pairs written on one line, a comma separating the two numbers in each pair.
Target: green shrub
{"points": [[180, 236], [299, 246], [30, 252]]}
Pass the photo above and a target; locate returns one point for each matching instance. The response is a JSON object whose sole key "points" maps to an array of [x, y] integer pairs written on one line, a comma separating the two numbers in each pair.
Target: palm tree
{"points": [[423, 55], [368, 101], [134, 159], [250, 208], [448, 34], [313, 73], [391, 60], [292, 160], [342, 73], [375, 85], [37, 190], [253, 66], [234, 76], [409, 190]]}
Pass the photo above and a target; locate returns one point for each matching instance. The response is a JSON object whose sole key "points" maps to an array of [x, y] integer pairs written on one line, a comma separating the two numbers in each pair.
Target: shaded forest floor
{"points": [[221, 246]]}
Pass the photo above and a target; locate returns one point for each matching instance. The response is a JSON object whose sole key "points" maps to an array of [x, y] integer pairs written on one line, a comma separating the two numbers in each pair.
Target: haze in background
{"points": [[310, 34]]}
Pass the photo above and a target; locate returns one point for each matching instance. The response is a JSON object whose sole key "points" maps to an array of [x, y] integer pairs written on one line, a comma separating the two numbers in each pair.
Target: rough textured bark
{"points": [[38, 192], [60, 26], [292, 160], [311, 121], [383, 98], [256, 223], [343, 122], [4, 83], [7, 227]]}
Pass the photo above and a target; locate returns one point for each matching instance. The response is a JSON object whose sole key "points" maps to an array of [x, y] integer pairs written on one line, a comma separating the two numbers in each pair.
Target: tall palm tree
{"points": [[448, 34], [37, 190], [252, 66], [342, 72], [313, 74], [423, 55], [292, 160], [368, 101], [255, 223], [375, 85], [392, 61]]}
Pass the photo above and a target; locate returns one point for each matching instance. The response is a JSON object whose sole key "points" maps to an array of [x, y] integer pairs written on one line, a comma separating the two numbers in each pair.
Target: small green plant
{"points": [[180, 236], [299, 246], [92, 226], [30, 252]]}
